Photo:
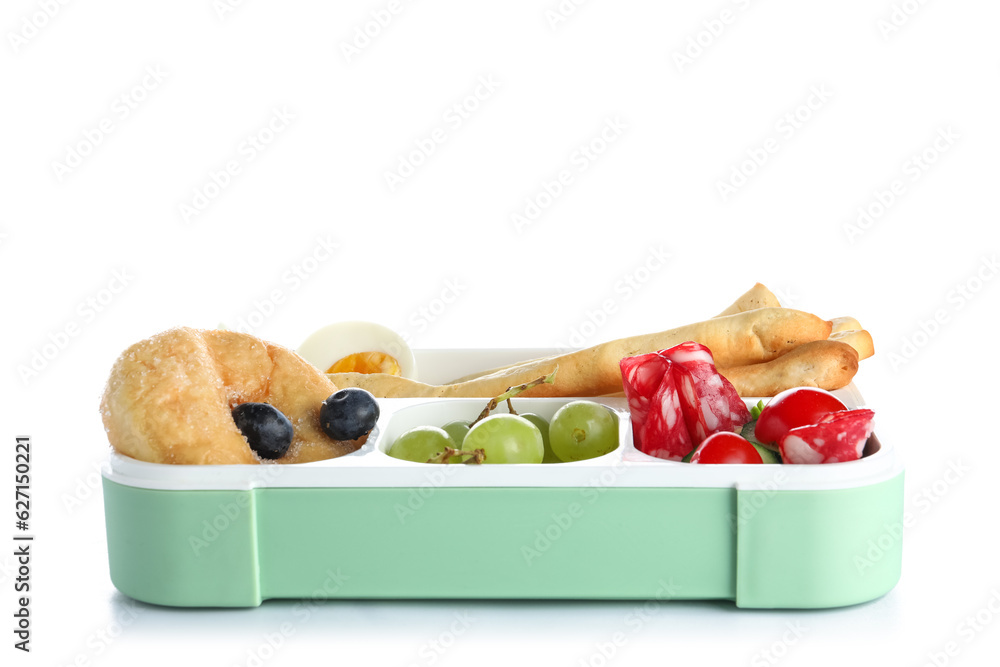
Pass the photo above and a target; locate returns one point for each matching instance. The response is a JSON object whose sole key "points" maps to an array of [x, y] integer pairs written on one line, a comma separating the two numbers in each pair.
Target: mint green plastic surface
{"points": [[237, 548]]}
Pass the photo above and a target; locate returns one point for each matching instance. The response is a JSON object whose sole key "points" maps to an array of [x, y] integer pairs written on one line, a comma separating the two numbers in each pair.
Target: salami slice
{"points": [[839, 436], [709, 401], [665, 433], [641, 377]]}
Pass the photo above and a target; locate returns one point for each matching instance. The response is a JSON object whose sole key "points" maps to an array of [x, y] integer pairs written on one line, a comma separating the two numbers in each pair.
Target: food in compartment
{"points": [[759, 346], [359, 347], [826, 364], [725, 447], [579, 430], [682, 409], [170, 399], [211, 396], [348, 414], [459, 428], [677, 399], [422, 443], [742, 339], [792, 408], [582, 430], [506, 438], [837, 437], [542, 424], [267, 430]]}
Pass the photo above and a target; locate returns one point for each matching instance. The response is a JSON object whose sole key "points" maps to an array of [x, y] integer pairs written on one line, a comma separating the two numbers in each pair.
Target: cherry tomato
{"points": [[725, 447], [791, 408]]}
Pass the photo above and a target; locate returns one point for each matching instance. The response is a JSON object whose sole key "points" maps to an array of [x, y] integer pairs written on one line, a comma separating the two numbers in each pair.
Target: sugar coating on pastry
{"points": [[169, 398]]}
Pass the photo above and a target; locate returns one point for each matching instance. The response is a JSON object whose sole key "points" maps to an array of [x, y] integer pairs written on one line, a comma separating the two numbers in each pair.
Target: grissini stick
{"points": [[757, 296], [827, 364], [845, 324], [859, 339], [735, 340]]}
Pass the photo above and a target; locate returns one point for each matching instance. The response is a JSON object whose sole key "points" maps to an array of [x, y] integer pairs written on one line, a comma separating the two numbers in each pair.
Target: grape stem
{"points": [[477, 456], [510, 407], [511, 393]]}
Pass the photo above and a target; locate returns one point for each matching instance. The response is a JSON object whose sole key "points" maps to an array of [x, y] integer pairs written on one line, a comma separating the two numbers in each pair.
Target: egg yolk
{"points": [[366, 362]]}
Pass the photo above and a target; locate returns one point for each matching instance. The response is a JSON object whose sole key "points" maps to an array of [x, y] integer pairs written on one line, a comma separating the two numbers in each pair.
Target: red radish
{"points": [[791, 408], [725, 447]]}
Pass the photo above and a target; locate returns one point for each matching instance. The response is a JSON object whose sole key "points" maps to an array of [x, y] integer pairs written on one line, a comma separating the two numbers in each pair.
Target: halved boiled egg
{"points": [[359, 347]]}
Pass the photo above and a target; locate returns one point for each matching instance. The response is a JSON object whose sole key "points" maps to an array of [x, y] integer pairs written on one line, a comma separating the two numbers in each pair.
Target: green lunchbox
{"points": [[622, 526]]}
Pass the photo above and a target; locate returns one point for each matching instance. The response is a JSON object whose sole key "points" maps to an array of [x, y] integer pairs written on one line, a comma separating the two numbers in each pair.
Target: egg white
{"points": [[336, 341]]}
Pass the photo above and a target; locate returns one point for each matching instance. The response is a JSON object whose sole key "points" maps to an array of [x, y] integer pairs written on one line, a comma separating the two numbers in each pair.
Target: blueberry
{"points": [[267, 430], [348, 414]]}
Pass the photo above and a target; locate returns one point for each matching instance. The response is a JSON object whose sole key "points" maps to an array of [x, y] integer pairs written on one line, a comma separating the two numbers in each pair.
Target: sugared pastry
{"points": [[171, 399]]}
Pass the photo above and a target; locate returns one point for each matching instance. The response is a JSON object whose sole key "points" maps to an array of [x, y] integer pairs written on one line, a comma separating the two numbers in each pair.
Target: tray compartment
{"points": [[440, 412]]}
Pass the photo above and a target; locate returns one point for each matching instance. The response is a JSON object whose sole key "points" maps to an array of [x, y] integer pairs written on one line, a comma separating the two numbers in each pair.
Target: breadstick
{"points": [[383, 385], [845, 324], [745, 338], [500, 369], [860, 340], [827, 364], [757, 296]]}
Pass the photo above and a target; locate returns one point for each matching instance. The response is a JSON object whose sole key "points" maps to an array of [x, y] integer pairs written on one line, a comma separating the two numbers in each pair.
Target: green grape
{"points": [[582, 430], [457, 430], [506, 439], [421, 443], [543, 427]]}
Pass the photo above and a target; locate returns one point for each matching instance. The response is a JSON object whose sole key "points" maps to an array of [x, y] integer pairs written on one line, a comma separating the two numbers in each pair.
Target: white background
{"points": [[69, 226]]}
